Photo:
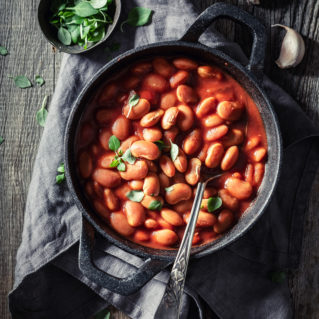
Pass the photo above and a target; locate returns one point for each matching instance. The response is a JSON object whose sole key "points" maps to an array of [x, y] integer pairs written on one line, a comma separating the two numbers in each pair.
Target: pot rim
{"points": [[225, 239]]}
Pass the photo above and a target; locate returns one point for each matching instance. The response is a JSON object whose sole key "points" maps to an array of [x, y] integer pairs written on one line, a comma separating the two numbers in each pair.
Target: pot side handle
{"points": [[124, 286], [224, 10]]}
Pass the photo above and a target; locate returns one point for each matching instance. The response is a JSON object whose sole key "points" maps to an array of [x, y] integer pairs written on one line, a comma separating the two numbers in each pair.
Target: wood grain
{"points": [[30, 55]]}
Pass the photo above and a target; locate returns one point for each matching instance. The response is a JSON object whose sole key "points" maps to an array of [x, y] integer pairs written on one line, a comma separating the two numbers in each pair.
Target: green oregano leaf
{"points": [[114, 143], [64, 36], [138, 16], [135, 196], [1, 140], [277, 276], [114, 163], [39, 80], [155, 205], [121, 166], [169, 189], [214, 203], [3, 50], [84, 9], [61, 168], [128, 157], [133, 99], [174, 151], [60, 178], [21, 81], [42, 114]]}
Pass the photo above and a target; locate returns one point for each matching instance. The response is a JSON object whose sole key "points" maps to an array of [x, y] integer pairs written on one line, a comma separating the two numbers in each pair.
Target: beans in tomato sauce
{"points": [[184, 114]]}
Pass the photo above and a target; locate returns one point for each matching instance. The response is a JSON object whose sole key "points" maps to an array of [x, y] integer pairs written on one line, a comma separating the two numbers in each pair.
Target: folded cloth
{"points": [[233, 282]]}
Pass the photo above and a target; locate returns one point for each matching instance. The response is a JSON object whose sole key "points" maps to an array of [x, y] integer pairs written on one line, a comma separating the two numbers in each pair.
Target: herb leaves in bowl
{"points": [[81, 22]]}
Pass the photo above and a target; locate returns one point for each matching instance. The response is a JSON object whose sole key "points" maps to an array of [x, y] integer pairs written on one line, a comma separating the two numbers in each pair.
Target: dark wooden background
{"points": [[30, 55]]}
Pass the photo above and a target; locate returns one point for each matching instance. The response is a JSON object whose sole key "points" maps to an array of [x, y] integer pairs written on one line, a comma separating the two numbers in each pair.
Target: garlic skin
{"points": [[254, 1], [292, 48]]}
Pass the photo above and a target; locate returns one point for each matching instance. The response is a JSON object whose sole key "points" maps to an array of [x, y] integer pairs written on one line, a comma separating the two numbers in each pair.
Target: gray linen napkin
{"points": [[233, 282]]}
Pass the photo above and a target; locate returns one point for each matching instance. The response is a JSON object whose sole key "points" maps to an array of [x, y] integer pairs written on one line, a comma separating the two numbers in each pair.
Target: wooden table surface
{"points": [[30, 55]]}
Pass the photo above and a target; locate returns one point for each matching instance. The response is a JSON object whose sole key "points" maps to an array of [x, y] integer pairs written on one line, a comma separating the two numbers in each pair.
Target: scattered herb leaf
{"points": [[135, 196], [1, 140], [42, 114], [21, 81], [114, 143], [133, 99], [3, 51], [64, 36], [169, 189], [114, 163], [155, 205], [138, 16], [214, 203], [60, 178], [174, 151], [39, 80], [128, 157], [61, 168], [121, 167], [277, 276]]}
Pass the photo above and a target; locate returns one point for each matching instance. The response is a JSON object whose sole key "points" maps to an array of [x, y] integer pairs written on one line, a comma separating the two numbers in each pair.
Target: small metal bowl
{"points": [[50, 32]]}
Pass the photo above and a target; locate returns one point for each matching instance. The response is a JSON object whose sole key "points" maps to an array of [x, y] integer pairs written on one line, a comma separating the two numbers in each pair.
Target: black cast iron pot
{"points": [[248, 76]]}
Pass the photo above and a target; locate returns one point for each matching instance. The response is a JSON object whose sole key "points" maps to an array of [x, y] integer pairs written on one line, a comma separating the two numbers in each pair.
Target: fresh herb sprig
{"points": [[60, 178], [3, 50], [138, 16], [135, 196], [1, 140], [21, 81], [214, 203], [42, 114], [133, 100], [39, 80], [81, 22], [174, 151], [118, 161]]}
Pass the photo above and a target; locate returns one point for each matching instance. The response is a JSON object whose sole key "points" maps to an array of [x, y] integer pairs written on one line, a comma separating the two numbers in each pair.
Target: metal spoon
{"points": [[169, 307]]}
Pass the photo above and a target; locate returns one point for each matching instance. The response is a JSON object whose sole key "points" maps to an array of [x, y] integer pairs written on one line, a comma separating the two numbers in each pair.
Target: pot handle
{"points": [[123, 286], [224, 10]]}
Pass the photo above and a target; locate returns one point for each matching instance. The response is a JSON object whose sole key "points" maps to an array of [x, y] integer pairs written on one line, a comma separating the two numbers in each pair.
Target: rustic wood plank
{"points": [[30, 54]]}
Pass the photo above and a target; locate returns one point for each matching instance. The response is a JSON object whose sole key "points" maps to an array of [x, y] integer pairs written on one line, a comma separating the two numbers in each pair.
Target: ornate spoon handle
{"points": [[169, 307]]}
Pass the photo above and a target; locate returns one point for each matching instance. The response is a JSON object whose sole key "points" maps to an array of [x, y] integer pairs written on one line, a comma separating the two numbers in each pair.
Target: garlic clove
{"points": [[292, 48]]}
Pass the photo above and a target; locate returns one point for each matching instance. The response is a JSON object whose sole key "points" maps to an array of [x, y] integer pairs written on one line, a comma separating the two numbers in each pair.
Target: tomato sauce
{"points": [[144, 137]]}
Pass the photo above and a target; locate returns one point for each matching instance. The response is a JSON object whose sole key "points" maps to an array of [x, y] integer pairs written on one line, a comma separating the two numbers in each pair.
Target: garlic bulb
{"points": [[292, 48]]}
